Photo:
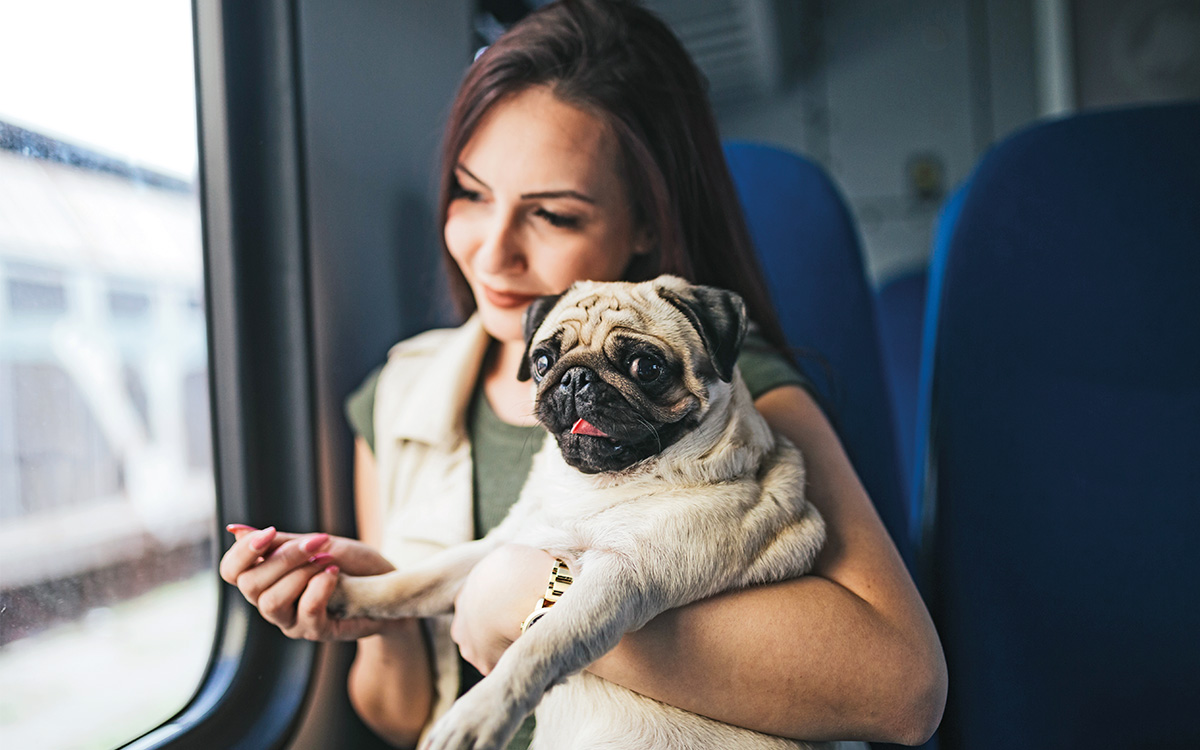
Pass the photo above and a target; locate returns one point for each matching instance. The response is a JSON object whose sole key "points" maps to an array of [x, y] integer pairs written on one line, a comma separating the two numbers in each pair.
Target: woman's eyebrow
{"points": [[541, 194], [468, 173], [558, 194]]}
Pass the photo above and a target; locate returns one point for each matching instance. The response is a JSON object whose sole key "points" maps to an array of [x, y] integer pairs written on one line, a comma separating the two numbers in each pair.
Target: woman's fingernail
{"points": [[324, 557], [236, 528], [314, 543], [259, 541], [333, 570]]}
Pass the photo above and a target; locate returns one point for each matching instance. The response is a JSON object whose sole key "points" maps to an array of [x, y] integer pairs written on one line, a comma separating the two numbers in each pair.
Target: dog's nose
{"points": [[576, 379]]}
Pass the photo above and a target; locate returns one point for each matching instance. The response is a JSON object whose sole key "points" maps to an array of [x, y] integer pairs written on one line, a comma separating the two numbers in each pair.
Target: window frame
{"points": [[260, 356]]}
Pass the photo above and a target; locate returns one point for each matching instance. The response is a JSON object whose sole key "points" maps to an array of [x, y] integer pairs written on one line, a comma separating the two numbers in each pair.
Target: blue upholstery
{"points": [[1063, 412], [809, 250], [900, 303], [920, 503]]}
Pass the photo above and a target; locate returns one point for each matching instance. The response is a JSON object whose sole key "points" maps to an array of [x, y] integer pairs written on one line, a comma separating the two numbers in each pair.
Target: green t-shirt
{"points": [[502, 453]]}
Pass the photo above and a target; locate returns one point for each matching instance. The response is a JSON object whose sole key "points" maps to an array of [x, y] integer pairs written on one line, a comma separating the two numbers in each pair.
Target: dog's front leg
{"points": [[605, 601], [423, 591]]}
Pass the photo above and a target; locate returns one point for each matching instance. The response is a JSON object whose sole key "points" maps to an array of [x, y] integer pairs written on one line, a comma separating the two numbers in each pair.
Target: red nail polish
{"points": [[324, 557], [333, 570], [235, 528]]}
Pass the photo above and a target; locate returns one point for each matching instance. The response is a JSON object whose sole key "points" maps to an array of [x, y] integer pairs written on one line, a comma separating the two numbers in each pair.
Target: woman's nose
{"points": [[500, 248]]}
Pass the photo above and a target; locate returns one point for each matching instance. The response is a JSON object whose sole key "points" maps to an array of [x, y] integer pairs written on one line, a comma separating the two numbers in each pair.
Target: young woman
{"points": [[581, 146]]}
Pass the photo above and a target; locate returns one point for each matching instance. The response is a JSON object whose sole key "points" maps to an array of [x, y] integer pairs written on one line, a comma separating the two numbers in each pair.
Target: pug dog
{"points": [[663, 485]]}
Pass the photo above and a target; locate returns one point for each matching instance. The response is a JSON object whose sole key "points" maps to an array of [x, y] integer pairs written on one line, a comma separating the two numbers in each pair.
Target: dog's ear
{"points": [[719, 316], [534, 315]]}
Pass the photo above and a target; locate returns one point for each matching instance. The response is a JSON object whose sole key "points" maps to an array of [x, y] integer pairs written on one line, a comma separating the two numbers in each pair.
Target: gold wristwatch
{"points": [[560, 581]]}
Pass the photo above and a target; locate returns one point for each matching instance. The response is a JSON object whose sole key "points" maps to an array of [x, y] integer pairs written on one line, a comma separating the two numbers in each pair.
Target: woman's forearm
{"points": [[805, 659], [391, 683]]}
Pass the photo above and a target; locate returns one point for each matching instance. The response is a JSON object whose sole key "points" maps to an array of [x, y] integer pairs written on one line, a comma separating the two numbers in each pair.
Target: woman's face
{"points": [[539, 204]]}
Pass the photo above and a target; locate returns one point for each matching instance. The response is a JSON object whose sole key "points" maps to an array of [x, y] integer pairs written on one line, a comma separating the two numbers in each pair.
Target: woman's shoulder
{"points": [[449, 349], [765, 368], [421, 391], [422, 344], [408, 353], [405, 361]]}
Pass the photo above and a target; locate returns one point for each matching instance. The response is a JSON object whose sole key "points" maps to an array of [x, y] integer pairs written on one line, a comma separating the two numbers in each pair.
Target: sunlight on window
{"points": [[108, 595]]}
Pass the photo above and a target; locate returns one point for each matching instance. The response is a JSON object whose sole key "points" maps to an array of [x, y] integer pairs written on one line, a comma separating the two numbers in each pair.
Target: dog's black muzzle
{"points": [[581, 394]]}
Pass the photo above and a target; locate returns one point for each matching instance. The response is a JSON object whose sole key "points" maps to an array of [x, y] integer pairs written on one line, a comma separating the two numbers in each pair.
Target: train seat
{"points": [[900, 302], [809, 250], [1061, 404]]}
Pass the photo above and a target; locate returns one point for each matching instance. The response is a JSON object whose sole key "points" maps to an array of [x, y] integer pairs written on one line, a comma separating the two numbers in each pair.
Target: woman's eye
{"points": [[646, 369], [562, 221], [541, 365], [458, 192]]}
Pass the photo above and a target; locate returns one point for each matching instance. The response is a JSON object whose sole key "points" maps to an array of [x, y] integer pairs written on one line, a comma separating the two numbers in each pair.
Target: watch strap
{"points": [[560, 580]]}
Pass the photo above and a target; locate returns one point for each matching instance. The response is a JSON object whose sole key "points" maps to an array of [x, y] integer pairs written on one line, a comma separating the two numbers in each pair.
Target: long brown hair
{"points": [[622, 64]]}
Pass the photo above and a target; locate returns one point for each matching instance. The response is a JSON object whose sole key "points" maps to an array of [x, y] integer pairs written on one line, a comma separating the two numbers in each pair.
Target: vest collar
{"points": [[433, 407]]}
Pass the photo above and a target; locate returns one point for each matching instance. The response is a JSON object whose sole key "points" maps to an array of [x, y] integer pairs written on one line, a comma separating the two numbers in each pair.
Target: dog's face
{"points": [[625, 370]]}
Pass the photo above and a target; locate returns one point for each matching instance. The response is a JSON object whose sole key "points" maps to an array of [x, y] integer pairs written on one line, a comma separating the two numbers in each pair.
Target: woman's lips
{"points": [[507, 300]]}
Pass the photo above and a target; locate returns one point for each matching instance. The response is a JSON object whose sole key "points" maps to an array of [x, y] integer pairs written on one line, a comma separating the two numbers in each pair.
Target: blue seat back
{"points": [[809, 250], [900, 303], [1063, 415]]}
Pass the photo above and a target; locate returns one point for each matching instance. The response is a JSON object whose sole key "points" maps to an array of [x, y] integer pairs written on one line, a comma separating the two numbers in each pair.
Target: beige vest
{"points": [[424, 462]]}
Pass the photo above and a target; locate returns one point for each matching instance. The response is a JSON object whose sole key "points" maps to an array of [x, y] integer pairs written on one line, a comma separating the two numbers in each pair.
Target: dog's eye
{"points": [[541, 365], [646, 369]]}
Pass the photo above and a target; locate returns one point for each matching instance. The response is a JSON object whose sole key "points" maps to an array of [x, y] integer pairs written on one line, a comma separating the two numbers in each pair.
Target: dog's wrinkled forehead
{"points": [[587, 318], [701, 327]]}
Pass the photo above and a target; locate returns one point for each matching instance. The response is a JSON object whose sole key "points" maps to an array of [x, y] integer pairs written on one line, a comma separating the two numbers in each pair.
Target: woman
{"points": [[581, 146]]}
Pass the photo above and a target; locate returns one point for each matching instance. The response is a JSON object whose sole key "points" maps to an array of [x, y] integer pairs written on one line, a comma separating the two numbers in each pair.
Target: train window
{"points": [[42, 295], [108, 598]]}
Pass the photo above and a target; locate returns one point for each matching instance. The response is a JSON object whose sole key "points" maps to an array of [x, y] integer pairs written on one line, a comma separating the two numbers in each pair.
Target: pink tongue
{"points": [[584, 427]]}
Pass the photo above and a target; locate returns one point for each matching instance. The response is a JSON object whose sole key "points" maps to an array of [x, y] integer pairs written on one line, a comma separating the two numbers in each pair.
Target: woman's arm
{"points": [[848, 652], [391, 680]]}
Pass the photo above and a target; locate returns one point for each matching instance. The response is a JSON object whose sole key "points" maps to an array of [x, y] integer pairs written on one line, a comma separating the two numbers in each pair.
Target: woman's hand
{"points": [[498, 595], [290, 577]]}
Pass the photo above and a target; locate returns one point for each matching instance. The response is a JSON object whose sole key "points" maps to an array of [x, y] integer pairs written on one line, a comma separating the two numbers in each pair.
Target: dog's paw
{"points": [[476, 721], [338, 605], [349, 599]]}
